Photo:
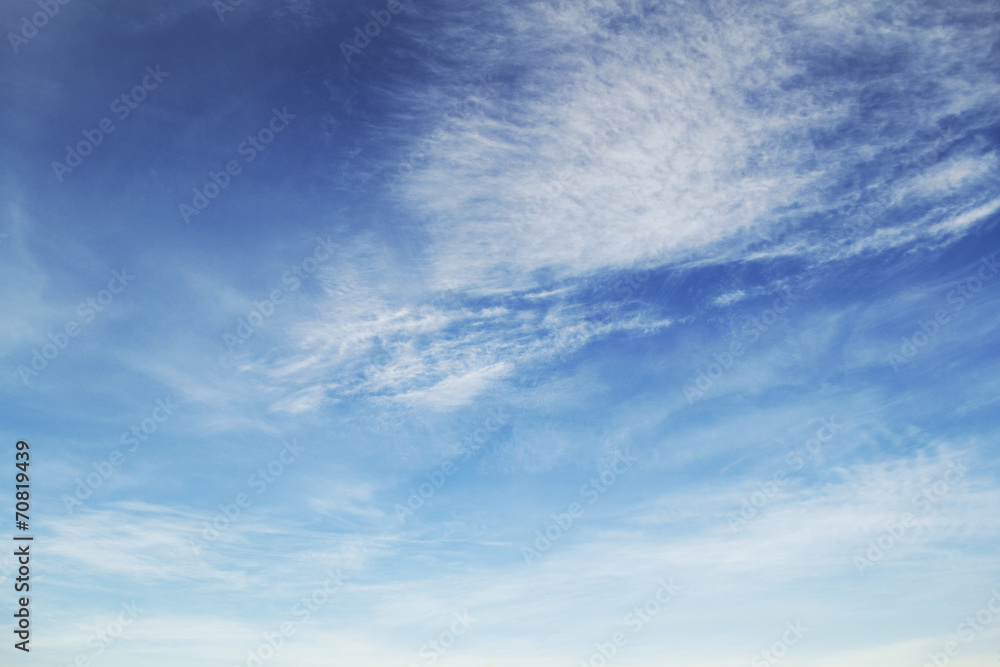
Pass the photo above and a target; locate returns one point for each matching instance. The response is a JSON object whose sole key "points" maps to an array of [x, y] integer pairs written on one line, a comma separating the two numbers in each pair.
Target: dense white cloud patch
{"points": [[641, 135]]}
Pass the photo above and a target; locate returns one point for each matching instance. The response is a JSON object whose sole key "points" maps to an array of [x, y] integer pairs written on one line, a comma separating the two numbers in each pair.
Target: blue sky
{"points": [[539, 333]]}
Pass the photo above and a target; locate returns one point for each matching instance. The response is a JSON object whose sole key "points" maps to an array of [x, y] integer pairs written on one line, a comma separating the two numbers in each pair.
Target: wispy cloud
{"points": [[625, 146]]}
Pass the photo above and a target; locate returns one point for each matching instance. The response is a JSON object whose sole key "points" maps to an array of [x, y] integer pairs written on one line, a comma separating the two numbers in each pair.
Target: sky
{"points": [[507, 334]]}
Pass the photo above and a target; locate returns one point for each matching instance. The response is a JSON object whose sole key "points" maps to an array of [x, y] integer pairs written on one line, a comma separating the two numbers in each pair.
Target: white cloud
{"points": [[676, 137], [730, 297]]}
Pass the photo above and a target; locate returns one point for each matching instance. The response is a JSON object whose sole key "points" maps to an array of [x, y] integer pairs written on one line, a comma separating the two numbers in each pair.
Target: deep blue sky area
{"points": [[518, 334]]}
